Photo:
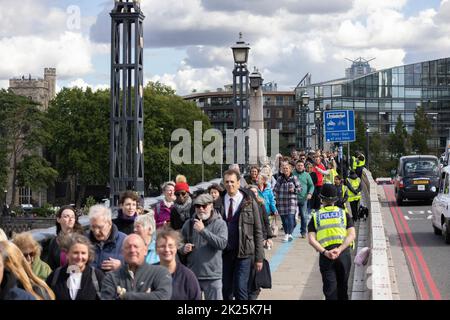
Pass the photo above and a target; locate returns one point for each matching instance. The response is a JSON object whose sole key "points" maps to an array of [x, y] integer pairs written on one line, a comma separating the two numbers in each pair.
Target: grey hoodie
{"points": [[205, 260]]}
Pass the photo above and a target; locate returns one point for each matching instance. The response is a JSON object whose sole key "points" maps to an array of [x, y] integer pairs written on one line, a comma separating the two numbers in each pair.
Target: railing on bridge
{"points": [[43, 236], [372, 282]]}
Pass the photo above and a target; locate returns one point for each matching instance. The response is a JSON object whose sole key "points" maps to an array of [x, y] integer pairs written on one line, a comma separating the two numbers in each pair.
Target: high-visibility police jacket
{"points": [[329, 178], [355, 183], [356, 163], [331, 226]]}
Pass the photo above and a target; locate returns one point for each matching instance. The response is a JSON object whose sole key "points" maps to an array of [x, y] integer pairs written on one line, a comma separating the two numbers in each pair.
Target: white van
{"points": [[441, 206]]}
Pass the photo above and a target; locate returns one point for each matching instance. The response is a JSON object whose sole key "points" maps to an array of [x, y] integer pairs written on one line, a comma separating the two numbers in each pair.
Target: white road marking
{"points": [[407, 218], [421, 212], [429, 211], [410, 212], [430, 217]]}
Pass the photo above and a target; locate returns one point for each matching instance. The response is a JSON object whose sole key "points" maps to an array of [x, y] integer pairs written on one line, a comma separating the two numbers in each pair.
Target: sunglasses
{"points": [[29, 254], [204, 206], [180, 194]]}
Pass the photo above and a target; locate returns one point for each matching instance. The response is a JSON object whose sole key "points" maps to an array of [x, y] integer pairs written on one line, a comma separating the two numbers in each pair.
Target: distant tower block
{"points": [[50, 77]]}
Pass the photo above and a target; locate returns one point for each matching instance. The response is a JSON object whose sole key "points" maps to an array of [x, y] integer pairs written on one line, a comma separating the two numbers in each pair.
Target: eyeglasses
{"points": [[182, 193], [204, 206], [29, 254]]}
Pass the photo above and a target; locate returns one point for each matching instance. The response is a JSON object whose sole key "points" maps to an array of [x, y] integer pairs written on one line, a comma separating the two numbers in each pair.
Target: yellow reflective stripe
{"points": [[324, 242]]}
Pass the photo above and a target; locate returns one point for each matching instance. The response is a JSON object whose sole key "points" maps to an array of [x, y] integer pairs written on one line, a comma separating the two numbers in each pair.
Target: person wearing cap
{"points": [[331, 232], [182, 210], [205, 236]]}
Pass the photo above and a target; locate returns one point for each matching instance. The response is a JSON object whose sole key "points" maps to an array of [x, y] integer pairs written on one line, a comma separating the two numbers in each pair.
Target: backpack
{"points": [[93, 278]]}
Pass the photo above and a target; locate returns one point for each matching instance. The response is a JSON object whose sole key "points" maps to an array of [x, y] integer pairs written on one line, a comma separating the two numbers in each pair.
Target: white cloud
{"points": [[80, 83], [70, 53], [187, 79]]}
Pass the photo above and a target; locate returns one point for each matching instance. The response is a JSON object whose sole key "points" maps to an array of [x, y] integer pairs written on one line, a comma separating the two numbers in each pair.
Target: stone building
{"points": [[38, 89], [42, 91]]}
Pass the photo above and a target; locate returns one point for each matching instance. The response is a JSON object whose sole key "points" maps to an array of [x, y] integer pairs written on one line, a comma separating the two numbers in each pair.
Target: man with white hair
{"points": [[106, 238], [137, 280]]}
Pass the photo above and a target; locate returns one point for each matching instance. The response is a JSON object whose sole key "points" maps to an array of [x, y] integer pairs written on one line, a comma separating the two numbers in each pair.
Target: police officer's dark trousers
{"points": [[335, 274]]}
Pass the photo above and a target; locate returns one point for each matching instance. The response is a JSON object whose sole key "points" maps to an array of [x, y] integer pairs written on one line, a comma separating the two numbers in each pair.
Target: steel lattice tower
{"points": [[127, 114]]}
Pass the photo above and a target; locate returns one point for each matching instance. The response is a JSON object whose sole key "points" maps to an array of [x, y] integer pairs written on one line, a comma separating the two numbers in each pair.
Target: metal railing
{"points": [[372, 281], [43, 236]]}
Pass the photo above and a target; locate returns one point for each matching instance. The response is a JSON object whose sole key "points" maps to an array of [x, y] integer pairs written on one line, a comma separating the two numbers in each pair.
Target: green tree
{"points": [[21, 131], [35, 172], [399, 140], [164, 112], [78, 121], [422, 131], [360, 140]]}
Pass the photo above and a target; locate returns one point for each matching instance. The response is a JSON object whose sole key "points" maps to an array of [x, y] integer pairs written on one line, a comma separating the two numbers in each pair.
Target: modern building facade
{"points": [[279, 110], [380, 97]]}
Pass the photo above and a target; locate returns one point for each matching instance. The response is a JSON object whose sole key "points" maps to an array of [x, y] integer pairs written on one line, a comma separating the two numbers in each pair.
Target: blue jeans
{"points": [[288, 221], [303, 213], [236, 275]]}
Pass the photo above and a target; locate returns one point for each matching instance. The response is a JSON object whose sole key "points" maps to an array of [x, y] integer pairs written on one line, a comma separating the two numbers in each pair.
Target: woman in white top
{"points": [[77, 280]]}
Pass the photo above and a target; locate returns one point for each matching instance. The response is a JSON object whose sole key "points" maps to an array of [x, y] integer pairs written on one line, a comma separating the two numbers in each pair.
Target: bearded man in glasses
{"points": [[205, 236]]}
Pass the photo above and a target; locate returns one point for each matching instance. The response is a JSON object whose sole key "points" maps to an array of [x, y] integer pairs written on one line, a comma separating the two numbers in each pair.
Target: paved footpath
{"points": [[295, 270]]}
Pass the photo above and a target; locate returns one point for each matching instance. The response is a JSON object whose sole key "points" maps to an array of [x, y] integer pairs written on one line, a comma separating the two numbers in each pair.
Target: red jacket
{"points": [[319, 175]]}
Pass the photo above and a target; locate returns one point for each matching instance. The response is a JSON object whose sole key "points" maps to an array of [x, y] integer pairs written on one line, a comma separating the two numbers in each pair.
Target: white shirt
{"points": [[74, 283], [237, 199]]}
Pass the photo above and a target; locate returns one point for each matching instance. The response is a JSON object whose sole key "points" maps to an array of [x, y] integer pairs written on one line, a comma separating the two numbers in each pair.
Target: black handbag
{"points": [[263, 279]]}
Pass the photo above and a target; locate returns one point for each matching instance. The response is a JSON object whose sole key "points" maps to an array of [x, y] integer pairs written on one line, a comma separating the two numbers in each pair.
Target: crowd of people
{"points": [[210, 245]]}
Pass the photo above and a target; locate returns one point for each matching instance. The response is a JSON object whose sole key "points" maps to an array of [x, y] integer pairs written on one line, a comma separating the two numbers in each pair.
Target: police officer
{"points": [[353, 184], [358, 163], [331, 233]]}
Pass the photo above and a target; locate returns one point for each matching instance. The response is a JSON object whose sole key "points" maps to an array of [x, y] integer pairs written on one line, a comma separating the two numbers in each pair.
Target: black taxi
{"points": [[417, 178]]}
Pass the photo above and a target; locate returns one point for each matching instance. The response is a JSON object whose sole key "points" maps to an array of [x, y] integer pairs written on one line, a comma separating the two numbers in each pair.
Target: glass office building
{"points": [[380, 97]]}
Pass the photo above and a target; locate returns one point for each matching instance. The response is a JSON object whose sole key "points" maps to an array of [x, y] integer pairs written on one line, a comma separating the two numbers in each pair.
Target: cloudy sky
{"points": [[187, 42]]}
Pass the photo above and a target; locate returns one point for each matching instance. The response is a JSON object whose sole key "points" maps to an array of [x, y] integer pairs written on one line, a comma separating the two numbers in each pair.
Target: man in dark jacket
{"points": [[245, 242], [137, 280], [106, 238]]}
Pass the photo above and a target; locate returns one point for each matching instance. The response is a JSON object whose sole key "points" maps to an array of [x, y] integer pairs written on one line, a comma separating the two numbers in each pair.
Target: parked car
{"points": [[383, 180], [417, 178], [441, 206]]}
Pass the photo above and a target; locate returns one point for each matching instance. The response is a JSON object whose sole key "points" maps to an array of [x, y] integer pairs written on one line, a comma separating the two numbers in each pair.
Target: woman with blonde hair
{"points": [[32, 252], [16, 263], [3, 236]]}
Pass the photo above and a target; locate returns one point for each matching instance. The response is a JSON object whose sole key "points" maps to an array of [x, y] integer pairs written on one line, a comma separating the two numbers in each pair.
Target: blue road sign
{"points": [[339, 126]]}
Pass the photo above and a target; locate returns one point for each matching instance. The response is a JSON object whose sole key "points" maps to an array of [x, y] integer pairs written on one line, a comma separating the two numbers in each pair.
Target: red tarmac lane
{"points": [[425, 284]]}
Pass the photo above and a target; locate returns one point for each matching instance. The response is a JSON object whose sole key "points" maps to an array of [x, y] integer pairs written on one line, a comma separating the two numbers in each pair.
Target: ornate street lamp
{"points": [[302, 111], [256, 79], [318, 120], [240, 85]]}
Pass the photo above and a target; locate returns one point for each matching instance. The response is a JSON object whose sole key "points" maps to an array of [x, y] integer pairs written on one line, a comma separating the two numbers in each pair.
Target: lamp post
{"points": [[302, 110], [367, 145], [318, 119], [240, 85], [255, 144]]}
